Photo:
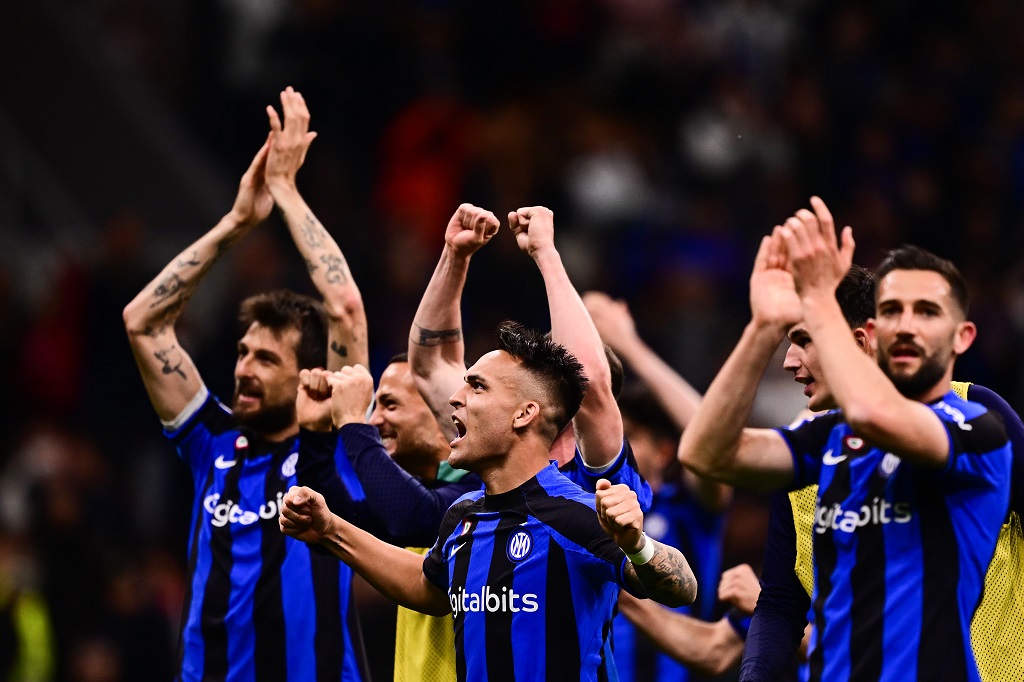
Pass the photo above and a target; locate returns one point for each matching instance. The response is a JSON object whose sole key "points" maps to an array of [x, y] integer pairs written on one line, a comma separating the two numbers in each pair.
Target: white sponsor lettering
{"points": [[878, 512], [222, 463], [491, 602], [228, 511], [956, 415], [828, 459]]}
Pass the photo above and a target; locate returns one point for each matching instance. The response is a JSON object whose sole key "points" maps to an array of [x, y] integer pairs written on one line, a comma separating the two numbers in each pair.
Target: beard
{"points": [[266, 420], [931, 371]]}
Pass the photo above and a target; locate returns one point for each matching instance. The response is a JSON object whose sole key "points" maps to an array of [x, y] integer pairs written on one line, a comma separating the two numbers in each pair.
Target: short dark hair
{"points": [[856, 295], [910, 257], [283, 309], [557, 369]]}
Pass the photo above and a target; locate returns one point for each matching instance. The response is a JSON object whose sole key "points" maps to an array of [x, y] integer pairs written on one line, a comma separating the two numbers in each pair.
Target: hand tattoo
{"points": [[437, 337]]}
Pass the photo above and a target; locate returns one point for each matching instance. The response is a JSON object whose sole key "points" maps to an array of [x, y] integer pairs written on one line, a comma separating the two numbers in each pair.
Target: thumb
{"points": [[310, 136], [603, 484]]}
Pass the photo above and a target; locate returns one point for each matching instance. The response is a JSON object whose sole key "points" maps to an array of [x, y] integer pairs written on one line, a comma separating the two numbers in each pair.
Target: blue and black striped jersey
{"points": [[900, 550], [533, 581], [259, 605]]}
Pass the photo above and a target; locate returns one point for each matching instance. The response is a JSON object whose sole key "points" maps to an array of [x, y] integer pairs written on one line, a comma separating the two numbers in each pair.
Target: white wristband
{"points": [[645, 554]]}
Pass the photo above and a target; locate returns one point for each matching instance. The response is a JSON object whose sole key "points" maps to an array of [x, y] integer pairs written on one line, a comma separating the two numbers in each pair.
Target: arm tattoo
{"points": [[164, 356], [437, 337], [192, 260], [311, 267], [313, 232], [666, 575], [171, 285], [336, 269], [339, 349]]}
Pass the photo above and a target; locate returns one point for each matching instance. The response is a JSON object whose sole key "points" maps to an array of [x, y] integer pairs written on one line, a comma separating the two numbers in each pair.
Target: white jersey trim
{"points": [[193, 406]]}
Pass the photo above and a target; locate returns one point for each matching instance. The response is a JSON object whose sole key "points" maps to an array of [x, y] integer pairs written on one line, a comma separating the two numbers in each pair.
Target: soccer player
{"points": [[906, 463], [258, 605], [525, 563]]}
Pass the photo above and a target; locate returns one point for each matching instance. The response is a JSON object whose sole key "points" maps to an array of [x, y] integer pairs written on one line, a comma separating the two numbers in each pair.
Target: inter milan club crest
{"points": [[520, 544], [288, 468]]}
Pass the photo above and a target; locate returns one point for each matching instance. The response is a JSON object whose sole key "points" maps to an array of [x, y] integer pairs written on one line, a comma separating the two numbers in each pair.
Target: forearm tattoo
{"points": [[436, 337], [170, 286], [169, 367], [311, 267], [666, 575], [337, 271], [339, 349], [192, 260], [313, 233]]}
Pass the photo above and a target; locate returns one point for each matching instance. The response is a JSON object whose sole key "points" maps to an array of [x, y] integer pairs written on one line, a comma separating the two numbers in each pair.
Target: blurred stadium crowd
{"points": [[667, 136]]}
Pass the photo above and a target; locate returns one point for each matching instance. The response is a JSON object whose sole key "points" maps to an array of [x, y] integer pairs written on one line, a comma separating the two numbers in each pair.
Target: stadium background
{"points": [[666, 135]]}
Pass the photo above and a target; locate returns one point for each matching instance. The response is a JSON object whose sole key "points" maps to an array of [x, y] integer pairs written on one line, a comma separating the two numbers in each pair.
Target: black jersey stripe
{"points": [[217, 592], [574, 521], [192, 560], [940, 616], [460, 572], [325, 574], [868, 587], [498, 623], [825, 557], [560, 632], [268, 603]]}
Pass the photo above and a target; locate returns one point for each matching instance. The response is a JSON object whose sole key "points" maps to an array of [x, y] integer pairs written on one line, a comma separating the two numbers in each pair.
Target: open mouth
{"points": [[904, 352], [460, 428]]}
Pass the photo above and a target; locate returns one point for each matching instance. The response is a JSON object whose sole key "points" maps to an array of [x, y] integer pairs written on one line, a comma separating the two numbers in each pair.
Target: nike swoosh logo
{"points": [[222, 463], [829, 459]]}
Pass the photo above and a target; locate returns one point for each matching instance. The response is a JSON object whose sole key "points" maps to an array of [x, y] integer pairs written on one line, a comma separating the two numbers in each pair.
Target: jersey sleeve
{"points": [[194, 430], [806, 442], [435, 565], [979, 450], [318, 468], [408, 511], [780, 616], [1014, 431], [623, 469]]}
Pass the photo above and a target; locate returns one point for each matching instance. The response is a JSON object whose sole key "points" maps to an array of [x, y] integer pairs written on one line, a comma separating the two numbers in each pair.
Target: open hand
{"points": [[817, 261], [290, 141], [773, 297]]}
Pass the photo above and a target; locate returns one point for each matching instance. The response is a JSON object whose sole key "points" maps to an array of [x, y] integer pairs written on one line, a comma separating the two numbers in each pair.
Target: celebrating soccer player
{"points": [[255, 598]]}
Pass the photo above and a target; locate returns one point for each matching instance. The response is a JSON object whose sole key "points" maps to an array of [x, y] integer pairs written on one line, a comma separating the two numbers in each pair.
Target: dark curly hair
{"points": [[856, 295], [556, 368]]}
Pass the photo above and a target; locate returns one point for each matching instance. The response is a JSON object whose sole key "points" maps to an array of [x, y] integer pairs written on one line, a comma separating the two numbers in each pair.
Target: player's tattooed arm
{"points": [[167, 371], [325, 263], [666, 578], [435, 337]]}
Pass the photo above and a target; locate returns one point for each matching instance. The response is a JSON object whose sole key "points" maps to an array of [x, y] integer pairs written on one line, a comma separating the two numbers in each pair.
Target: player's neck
{"points": [[281, 435], [514, 470]]}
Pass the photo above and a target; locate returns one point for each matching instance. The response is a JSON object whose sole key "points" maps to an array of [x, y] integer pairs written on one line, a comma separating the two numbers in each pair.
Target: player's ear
{"points": [[860, 335], [526, 413]]}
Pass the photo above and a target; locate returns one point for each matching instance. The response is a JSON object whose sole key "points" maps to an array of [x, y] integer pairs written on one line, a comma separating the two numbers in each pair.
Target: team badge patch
{"points": [[854, 443], [241, 442], [520, 544], [288, 468]]}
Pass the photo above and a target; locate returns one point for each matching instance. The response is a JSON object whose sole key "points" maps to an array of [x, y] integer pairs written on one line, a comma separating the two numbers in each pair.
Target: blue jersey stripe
{"points": [[475, 634], [298, 612], [530, 578], [246, 565]]}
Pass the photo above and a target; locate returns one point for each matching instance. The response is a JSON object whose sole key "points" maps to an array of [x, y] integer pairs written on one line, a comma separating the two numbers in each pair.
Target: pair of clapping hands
{"points": [[331, 399]]}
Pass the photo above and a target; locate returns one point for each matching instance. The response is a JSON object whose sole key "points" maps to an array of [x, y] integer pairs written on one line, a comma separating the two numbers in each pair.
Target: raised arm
{"points": [[436, 348], [327, 267], [654, 569], [872, 405], [395, 572], [708, 648], [598, 423], [170, 376], [674, 394], [716, 443]]}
